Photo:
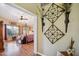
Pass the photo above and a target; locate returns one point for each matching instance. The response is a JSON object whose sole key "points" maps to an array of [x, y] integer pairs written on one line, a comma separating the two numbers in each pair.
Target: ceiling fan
{"points": [[22, 18]]}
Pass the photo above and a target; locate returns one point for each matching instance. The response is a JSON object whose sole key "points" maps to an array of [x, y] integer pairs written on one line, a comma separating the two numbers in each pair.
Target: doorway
{"points": [[27, 49], [12, 46]]}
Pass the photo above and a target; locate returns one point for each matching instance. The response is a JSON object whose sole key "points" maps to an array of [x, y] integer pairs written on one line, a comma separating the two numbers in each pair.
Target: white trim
{"points": [[35, 35], [39, 53]]}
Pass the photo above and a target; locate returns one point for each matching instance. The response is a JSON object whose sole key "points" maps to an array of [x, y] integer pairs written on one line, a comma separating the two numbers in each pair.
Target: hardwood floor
{"points": [[13, 49]]}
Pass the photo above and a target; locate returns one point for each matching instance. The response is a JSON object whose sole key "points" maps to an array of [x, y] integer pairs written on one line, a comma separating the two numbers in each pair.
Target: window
{"points": [[12, 30]]}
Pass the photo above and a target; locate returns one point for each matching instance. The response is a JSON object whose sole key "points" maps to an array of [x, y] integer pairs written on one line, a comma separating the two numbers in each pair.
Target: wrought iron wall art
{"points": [[53, 34], [43, 24], [54, 12], [67, 12], [42, 19]]}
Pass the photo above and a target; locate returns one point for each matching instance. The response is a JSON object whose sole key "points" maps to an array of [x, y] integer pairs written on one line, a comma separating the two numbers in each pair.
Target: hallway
{"points": [[13, 49]]}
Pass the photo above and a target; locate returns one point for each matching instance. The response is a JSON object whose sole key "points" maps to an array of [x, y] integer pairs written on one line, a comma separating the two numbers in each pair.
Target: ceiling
{"points": [[10, 11], [29, 6]]}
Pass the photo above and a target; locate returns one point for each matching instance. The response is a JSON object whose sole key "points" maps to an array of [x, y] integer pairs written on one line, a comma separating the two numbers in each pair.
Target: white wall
{"points": [[74, 17], [63, 43]]}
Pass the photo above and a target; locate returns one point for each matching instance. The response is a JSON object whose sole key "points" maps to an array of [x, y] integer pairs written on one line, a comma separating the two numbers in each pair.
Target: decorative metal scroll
{"points": [[67, 7], [53, 34], [54, 12]]}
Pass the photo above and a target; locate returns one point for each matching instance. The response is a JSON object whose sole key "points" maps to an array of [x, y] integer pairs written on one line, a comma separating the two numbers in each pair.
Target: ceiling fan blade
{"points": [[22, 18]]}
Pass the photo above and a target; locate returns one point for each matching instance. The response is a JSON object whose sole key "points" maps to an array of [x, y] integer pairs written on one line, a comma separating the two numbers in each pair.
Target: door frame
{"points": [[35, 23], [35, 35]]}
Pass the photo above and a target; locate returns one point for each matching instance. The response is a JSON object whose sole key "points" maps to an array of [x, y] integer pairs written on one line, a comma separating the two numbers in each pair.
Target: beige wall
{"points": [[64, 42], [74, 26], [39, 35]]}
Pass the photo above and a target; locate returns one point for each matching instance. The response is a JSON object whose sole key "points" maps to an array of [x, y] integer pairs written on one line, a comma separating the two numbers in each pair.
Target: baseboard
{"points": [[39, 53]]}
